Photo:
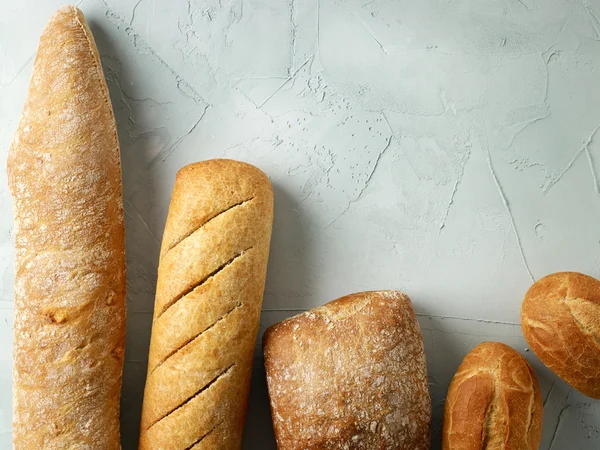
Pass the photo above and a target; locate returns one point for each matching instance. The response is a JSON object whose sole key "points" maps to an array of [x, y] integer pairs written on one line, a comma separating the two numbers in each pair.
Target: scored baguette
{"points": [[65, 178], [209, 292]]}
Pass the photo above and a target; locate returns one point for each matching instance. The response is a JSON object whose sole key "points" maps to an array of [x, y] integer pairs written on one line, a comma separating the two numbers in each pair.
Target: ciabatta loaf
{"points": [[350, 375]]}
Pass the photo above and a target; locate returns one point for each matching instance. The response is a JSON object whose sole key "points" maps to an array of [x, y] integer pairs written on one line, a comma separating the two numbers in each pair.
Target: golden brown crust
{"points": [[65, 179], [209, 293], [560, 317], [493, 402], [349, 375]]}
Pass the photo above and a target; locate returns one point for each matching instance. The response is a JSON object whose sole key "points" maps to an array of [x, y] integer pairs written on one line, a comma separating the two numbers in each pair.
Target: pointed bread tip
{"points": [[64, 14], [68, 97], [67, 19]]}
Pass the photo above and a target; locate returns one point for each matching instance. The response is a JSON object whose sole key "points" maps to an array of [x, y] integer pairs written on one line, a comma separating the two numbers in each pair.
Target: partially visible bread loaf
{"points": [[209, 293], [493, 402], [64, 174], [350, 375], [560, 317]]}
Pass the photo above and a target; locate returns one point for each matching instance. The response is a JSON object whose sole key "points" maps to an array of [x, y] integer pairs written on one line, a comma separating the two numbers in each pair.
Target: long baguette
{"points": [[65, 178], [211, 279]]}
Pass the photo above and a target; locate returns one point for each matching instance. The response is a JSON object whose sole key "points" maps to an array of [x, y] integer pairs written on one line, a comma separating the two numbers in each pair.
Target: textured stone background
{"points": [[448, 148]]}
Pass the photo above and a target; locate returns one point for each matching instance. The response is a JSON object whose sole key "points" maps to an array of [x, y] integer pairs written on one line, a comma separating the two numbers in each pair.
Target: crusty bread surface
{"points": [[493, 402], [211, 279], [65, 179], [560, 317], [349, 375]]}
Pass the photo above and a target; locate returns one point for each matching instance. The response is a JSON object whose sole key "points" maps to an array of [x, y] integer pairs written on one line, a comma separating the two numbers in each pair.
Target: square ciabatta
{"points": [[350, 375]]}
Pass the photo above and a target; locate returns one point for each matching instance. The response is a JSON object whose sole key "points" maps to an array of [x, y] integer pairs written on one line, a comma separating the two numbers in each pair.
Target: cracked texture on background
{"points": [[450, 149]]}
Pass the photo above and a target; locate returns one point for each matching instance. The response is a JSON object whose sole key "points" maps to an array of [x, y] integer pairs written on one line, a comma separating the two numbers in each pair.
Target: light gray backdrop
{"points": [[449, 148]]}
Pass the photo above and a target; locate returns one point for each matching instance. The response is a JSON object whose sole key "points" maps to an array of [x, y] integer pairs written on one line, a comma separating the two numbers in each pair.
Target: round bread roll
{"points": [[493, 402], [560, 317]]}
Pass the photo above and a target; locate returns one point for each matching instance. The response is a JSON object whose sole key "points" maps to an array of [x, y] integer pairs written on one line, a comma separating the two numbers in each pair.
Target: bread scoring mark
{"points": [[584, 329], [196, 336], [581, 309], [214, 216], [200, 283], [205, 435], [224, 373], [537, 324], [531, 403], [487, 421]]}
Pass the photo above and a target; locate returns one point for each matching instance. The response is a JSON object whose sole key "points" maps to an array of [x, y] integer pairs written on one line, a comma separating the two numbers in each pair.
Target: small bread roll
{"points": [[350, 375], [493, 402], [560, 317]]}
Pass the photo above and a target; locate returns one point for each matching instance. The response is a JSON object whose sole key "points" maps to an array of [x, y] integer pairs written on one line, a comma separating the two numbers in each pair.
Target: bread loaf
{"points": [[65, 178], [350, 375], [560, 317], [493, 402], [211, 279]]}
